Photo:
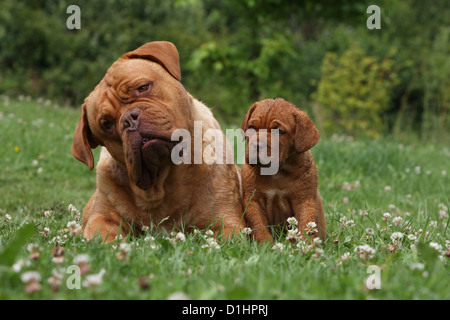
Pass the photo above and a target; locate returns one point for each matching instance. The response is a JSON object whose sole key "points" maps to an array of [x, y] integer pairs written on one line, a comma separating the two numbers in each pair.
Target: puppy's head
{"points": [[133, 112], [295, 131]]}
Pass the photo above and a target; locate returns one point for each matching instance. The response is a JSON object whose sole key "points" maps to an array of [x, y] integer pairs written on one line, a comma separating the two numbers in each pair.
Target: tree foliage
{"points": [[354, 92], [235, 52]]}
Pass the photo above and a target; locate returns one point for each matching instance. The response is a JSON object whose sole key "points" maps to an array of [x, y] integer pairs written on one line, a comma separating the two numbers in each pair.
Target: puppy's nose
{"points": [[130, 120], [258, 146]]}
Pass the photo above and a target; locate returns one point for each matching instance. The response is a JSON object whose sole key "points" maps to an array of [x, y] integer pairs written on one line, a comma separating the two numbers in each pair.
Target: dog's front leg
{"points": [[307, 213], [258, 222]]}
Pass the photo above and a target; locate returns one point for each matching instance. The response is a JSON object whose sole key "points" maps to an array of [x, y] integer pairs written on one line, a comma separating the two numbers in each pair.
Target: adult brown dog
{"points": [[132, 113], [293, 190]]}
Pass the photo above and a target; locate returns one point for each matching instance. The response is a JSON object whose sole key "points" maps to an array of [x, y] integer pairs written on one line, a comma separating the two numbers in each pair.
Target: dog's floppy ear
{"points": [[247, 117], [83, 141], [163, 52], [306, 133]]}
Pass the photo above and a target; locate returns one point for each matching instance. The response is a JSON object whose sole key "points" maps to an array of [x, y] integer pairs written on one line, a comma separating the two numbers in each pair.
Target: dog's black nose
{"points": [[130, 120]]}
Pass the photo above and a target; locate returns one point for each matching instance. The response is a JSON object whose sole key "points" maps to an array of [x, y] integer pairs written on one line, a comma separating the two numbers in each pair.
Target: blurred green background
{"points": [[317, 54]]}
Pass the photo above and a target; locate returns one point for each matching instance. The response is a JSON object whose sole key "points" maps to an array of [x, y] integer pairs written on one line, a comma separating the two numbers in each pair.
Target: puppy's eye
{"points": [[278, 131]]}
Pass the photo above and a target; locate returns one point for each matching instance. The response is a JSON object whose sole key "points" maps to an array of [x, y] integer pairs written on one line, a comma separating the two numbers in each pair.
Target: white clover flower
{"points": [[74, 228], [278, 247], [346, 223], [55, 279], [178, 296], [386, 216], [211, 243], [396, 236], [125, 247], [345, 257], [247, 231], [436, 246], [47, 213], [122, 253], [317, 242], [94, 280], [317, 253], [412, 237], [209, 233], [57, 240], [303, 246], [363, 213], [72, 208], [292, 235], [19, 264], [155, 246], [365, 252], [32, 279], [387, 188], [350, 223], [180, 237], [7, 217], [311, 228], [33, 247], [398, 221], [417, 266], [30, 276], [80, 259], [292, 221]]}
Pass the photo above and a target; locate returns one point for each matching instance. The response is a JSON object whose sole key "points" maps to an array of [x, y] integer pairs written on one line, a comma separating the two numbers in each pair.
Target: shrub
{"points": [[353, 92]]}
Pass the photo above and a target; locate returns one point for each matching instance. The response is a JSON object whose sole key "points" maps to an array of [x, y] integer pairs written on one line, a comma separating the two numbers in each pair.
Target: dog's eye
{"points": [[278, 131], [106, 124], [143, 88]]}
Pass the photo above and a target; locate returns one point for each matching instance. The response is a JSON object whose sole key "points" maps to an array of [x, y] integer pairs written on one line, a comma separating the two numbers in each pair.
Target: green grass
{"points": [[38, 173]]}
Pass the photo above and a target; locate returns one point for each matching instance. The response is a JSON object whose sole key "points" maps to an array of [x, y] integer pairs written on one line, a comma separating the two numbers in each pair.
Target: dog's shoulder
{"points": [[200, 112], [109, 171]]}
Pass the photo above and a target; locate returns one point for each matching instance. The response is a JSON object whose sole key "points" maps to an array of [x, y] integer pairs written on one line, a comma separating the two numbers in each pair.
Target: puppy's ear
{"points": [[306, 133], [83, 141], [163, 52], [247, 117]]}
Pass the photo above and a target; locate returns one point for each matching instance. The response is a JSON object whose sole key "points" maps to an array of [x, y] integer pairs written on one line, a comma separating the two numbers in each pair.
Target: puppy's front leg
{"points": [[307, 213], [257, 221]]}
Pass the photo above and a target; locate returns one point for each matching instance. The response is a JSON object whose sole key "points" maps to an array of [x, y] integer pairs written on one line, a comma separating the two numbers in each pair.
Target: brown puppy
{"points": [[132, 113], [293, 190]]}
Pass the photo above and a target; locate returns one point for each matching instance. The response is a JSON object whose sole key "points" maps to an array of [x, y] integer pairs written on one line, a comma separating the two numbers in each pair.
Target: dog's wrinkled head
{"points": [[133, 112], [294, 129]]}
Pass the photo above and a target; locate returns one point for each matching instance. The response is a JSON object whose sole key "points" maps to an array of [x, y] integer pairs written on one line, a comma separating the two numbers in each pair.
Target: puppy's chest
{"points": [[276, 204]]}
